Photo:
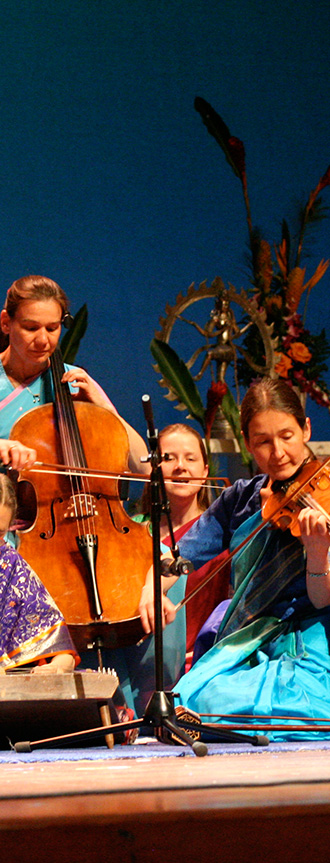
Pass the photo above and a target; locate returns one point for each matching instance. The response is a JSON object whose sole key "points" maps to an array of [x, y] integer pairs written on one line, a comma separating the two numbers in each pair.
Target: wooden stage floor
{"points": [[254, 805]]}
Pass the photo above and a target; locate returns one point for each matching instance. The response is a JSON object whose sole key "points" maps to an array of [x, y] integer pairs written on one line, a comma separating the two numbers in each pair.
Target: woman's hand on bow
{"points": [[16, 454]]}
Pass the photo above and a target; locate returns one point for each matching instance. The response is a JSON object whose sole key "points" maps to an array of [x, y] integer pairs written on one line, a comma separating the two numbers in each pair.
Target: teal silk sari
{"points": [[262, 663]]}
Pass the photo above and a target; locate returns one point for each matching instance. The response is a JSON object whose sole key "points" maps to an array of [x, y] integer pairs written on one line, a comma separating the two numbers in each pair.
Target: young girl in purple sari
{"points": [[32, 629]]}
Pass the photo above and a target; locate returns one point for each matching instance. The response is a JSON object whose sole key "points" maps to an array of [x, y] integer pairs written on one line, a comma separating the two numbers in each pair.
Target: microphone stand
{"points": [[160, 711]]}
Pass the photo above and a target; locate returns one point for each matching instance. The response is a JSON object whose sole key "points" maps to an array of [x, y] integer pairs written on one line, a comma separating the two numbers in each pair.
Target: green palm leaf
{"points": [[178, 378], [231, 412], [218, 129], [72, 338]]}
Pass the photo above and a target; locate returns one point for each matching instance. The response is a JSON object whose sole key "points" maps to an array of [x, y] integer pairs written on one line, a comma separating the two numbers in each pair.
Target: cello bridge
{"points": [[81, 506]]}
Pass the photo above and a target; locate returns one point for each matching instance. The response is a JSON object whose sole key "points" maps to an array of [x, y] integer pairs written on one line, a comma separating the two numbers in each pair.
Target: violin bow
{"points": [[265, 724], [68, 470]]}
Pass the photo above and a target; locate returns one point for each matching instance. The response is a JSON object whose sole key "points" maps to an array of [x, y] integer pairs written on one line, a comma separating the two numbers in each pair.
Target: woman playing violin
{"points": [[267, 650], [31, 321]]}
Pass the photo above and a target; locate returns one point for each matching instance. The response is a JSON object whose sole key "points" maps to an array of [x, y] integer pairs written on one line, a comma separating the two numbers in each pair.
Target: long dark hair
{"points": [[270, 394]]}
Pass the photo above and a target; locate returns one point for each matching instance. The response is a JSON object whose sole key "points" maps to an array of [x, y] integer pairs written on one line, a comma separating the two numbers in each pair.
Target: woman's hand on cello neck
{"points": [[16, 455], [85, 389], [146, 605], [88, 390]]}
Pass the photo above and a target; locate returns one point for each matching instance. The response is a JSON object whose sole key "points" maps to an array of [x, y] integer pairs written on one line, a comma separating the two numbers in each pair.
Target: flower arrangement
{"points": [[271, 303], [278, 283]]}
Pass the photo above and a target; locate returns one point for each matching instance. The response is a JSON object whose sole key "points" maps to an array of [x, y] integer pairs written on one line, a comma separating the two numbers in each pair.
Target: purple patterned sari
{"points": [[31, 625]]}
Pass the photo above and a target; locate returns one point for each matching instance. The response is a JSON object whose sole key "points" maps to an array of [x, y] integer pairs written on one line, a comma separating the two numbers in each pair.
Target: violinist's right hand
{"points": [[146, 605], [16, 455]]}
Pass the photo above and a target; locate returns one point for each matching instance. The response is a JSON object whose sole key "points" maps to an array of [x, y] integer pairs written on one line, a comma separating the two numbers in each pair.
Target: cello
{"points": [[89, 553]]}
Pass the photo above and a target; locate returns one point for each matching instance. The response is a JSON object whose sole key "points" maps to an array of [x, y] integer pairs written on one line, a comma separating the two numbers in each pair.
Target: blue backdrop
{"points": [[110, 183]]}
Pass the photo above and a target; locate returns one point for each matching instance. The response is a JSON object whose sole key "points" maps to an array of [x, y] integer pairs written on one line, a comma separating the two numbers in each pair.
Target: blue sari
{"points": [[271, 651]]}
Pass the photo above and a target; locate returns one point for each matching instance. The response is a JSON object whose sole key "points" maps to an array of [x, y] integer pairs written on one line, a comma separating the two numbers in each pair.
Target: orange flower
{"points": [[281, 257], [296, 285], [283, 365], [319, 273], [295, 288], [324, 181], [275, 301], [299, 352]]}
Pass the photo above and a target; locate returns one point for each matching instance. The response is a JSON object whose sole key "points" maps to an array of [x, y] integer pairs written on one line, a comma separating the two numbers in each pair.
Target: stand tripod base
{"points": [[171, 725]]}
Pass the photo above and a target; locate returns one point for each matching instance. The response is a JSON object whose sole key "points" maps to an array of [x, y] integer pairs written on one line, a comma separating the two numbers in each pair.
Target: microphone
{"points": [[147, 409], [179, 566]]}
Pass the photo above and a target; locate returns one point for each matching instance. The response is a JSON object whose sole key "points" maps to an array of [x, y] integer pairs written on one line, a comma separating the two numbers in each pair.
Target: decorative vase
{"points": [[221, 428]]}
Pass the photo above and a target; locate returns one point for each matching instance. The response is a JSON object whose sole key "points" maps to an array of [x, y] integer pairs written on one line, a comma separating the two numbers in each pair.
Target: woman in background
{"points": [[184, 458]]}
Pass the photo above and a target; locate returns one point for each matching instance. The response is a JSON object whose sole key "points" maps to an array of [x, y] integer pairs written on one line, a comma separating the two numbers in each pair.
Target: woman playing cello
{"points": [[31, 321], [270, 652]]}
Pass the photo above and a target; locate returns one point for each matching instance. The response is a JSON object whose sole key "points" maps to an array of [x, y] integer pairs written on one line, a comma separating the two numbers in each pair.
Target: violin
{"points": [[91, 556], [308, 487]]}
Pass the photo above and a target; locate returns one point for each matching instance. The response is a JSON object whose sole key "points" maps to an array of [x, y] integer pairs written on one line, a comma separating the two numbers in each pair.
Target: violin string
{"points": [[308, 500]]}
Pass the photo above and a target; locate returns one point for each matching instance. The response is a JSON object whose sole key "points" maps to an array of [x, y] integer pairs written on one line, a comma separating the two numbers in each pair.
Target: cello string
{"points": [[64, 437], [71, 445]]}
